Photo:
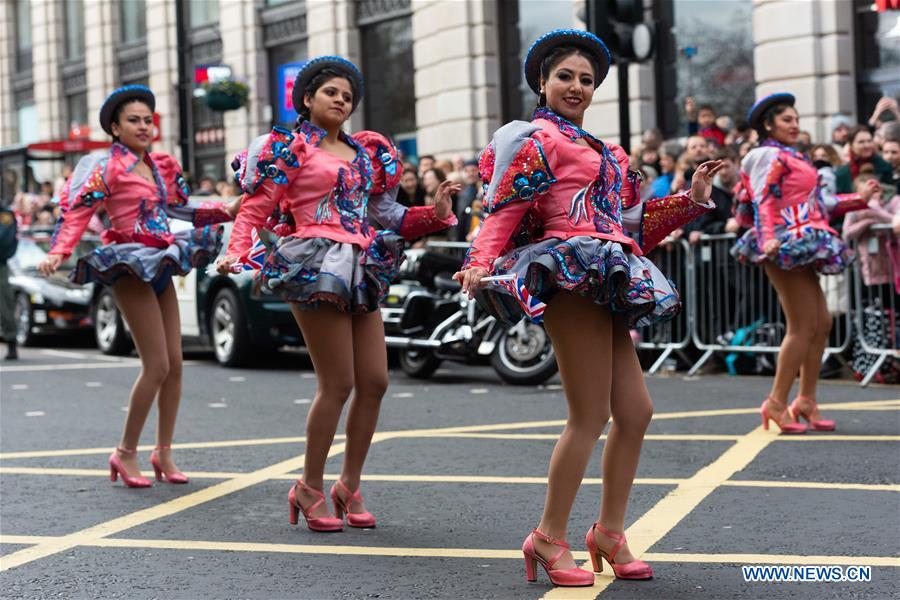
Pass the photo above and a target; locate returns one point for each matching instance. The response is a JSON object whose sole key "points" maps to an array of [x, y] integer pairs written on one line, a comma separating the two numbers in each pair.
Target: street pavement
{"points": [[456, 477]]}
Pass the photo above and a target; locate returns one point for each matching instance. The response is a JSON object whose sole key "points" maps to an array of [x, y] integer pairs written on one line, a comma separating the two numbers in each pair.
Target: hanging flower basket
{"points": [[227, 95]]}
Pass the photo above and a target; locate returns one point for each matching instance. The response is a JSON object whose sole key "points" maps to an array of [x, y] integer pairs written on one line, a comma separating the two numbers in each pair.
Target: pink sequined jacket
{"points": [[295, 189], [786, 195], [542, 184], [136, 208]]}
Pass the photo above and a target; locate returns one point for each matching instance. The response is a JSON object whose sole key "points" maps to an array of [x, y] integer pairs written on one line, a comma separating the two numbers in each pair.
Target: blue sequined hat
{"points": [[124, 94], [312, 68], [583, 40], [756, 112]]}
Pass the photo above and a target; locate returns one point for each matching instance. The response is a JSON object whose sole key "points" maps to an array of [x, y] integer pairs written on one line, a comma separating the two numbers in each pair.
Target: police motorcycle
{"points": [[429, 320]]}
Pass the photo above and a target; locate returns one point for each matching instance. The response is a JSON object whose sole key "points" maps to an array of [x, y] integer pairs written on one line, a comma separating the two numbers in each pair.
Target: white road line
{"points": [[217, 405], [237, 378], [80, 355], [302, 401], [129, 363], [35, 413], [479, 391], [20, 386], [403, 395], [307, 375], [93, 384]]}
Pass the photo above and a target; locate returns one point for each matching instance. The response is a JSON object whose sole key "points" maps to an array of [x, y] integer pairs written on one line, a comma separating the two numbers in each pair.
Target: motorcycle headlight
{"points": [[37, 298], [78, 294]]}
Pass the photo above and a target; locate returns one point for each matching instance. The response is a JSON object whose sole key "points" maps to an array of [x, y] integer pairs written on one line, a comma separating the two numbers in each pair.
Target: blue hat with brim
{"points": [[758, 110], [583, 40], [118, 97], [314, 67]]}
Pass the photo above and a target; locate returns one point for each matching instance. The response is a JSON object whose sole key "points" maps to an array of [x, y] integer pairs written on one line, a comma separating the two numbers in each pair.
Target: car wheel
{"points": [[24, 321], [109, 328], [229, 330]]}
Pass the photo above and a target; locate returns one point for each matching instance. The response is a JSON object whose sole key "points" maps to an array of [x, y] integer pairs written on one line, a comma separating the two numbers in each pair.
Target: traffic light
{"points": [[620, 24]]}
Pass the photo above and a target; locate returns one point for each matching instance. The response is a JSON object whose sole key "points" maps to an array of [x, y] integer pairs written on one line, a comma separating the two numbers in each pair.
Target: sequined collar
{"points": [[772, 143], [566, 127], [130, 159], [313, 134]]}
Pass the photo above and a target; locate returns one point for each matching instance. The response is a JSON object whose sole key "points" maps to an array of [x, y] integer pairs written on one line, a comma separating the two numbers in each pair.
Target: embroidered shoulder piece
{"points": [[270, 156], [87, 184], [520, 168], [177, 190], [386, 167]]}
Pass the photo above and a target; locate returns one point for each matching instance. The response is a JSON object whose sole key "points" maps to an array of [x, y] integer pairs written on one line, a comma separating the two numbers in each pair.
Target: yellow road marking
{"points": [[474, 479], [673, 437], [165, 509], [481, 553], [677, 504]]}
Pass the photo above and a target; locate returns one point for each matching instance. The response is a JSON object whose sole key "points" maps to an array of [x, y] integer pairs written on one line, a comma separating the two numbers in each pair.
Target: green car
{"points": [[227, 313]]}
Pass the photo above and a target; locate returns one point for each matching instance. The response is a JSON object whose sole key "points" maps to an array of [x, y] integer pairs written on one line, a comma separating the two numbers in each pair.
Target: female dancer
{"points": [[332, 265], [792, 240], [139, 189], [567, 217]]}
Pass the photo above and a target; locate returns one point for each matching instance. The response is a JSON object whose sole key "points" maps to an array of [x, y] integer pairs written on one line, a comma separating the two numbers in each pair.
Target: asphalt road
{"points": [[456, 477]]}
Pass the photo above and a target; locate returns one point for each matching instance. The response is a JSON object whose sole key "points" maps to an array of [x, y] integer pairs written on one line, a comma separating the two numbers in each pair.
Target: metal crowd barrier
{"points": [[878, 302], [673, 335]]}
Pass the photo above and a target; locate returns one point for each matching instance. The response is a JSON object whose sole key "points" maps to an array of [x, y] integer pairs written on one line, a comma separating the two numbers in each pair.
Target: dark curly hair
{"points": [[556, 56], [321, 78]]}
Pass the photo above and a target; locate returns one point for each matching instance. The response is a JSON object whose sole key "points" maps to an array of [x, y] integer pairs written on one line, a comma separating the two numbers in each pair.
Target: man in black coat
{"points": [[8, 244]]}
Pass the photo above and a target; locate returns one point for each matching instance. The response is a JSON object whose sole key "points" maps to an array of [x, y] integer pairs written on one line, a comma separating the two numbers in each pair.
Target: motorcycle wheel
{"points": [[526, 359], [418, 362]]}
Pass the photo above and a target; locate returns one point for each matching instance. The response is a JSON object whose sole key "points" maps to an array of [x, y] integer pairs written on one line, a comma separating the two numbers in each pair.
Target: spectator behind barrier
{"points": [[411, 192], [872, 247], [862, 153]]}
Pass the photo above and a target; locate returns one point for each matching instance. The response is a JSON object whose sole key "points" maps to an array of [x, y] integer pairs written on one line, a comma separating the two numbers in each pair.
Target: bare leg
{"points": [[170, 391], [581, 333], [797, 291], [141, 311], [809, 372], [370, 384], [631, 413], [328, 335]]}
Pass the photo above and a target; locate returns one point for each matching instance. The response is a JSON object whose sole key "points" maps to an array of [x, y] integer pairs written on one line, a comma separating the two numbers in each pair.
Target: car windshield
{"points": [[32, 251]]}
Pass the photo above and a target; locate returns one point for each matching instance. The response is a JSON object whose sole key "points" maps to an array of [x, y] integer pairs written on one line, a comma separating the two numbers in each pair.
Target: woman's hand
{"points": [[443, 203], [470, 279], [49, 265], [771, 248], [701, 182], [224, 265], [233, 207], [871, 189]]}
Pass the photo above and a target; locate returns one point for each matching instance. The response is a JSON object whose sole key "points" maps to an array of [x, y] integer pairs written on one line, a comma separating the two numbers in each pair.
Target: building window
{"points": [[389, 103], [27, 121], [74, 29], [877, 56], [76, 109], [202, 12], [134, 20], [279, 2], [522, 22], [714, 45], [23, 35]]}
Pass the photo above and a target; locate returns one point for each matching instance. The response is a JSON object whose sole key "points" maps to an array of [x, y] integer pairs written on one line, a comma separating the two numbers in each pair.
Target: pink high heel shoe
{"points": [[116, 468], [636, 569], [328, 523], [173, 477], [573, 577], [342, 507], [796, 413], [786, 428]]}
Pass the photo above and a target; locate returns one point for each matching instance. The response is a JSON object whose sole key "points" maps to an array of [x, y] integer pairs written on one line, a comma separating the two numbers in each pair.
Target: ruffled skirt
{"points": [[309, 271], [602, 270], [825, 251], [153, 265]]}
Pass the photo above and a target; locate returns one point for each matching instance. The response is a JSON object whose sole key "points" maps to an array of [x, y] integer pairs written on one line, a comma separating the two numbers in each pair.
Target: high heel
{"points": [[116, 468], [328, 523], [786, 428], [573, 577], [796, 413], [174, 476], [636, 569], [342, 507]]}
